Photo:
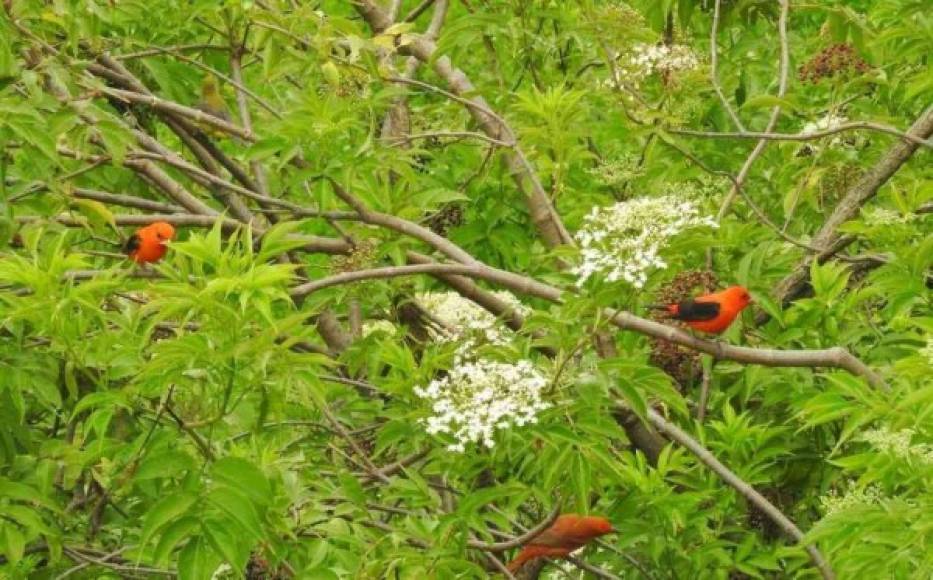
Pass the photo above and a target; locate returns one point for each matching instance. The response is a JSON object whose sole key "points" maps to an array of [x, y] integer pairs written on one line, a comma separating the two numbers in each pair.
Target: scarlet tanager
{"points": [[710, 313], [148, 244], [568, 533]]}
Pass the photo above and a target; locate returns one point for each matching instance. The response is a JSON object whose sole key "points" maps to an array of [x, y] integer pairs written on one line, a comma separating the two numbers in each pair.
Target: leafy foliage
{"points": [[204, 418]]}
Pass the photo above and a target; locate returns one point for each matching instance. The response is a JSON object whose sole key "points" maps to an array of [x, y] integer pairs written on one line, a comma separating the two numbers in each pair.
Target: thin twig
{"points": [[808, 136], [775, 112], [714, 67]]}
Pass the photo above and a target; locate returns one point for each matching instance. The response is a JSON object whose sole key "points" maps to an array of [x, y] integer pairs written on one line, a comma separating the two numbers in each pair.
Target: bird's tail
{"points": [[669, 309], [520, 560]]}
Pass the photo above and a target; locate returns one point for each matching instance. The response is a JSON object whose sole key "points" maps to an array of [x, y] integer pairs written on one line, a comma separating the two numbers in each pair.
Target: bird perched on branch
{"points": [[710, 313], [213, 104], [568, 533], [149, 243]]}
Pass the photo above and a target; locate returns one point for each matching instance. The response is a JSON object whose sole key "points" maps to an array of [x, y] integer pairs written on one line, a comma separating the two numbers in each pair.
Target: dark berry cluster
{"points": [[836, 60], [362, 256], [448, 216], [679, 362]]}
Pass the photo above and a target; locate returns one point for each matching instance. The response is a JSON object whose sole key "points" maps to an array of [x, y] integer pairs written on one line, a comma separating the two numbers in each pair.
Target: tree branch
{"points": [[778, 517], [775, 112], [543, 214], [794, 285]]}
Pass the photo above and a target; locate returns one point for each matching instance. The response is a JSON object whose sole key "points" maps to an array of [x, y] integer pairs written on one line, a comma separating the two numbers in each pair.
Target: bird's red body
{"points": [[569, 532], [148, 244], [711, 313]]}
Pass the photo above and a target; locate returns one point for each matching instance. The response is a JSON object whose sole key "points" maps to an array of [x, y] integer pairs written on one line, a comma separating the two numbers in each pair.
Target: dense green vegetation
{"points": [[406, 312]]}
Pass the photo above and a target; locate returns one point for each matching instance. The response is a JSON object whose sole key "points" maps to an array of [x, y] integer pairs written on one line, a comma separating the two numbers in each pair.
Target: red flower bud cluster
{"points": [[836, 60]]}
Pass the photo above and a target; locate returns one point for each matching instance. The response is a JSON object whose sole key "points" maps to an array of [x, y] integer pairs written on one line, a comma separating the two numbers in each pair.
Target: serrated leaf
{"points": [[165, 511], [243, 476], [197, 560]]}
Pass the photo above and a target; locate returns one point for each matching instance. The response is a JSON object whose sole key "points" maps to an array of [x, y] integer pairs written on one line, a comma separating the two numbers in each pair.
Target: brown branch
{"points": [[809, 136], [162, 50], [312, 244], [523, 539], [450, 135], [543, 214], [174, 190], [126, 201], [416, 231], [778, 517], [775, 112], [417, 11], [196, 115], [714, 67], [794, 285], [836, 357]]}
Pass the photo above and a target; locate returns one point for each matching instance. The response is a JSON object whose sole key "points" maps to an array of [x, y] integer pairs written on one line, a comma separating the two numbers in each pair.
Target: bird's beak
{"points": [[164, 242]]}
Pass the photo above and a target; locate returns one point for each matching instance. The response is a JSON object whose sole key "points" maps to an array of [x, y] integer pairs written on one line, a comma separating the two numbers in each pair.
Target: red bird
{"points": [[148, 244], [711, 313], [568, 533]]}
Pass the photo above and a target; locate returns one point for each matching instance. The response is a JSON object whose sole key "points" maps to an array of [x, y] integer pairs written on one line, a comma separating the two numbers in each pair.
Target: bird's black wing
{"points": [[693, 311], [131, 245]]}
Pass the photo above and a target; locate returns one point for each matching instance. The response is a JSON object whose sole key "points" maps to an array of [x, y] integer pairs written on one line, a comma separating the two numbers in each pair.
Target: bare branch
{"points": [[863, 190], [542, 212], [714, 67], [775, 112], [522, 539], [175, 108], [809, 136], [126, 201], [836, 357]]}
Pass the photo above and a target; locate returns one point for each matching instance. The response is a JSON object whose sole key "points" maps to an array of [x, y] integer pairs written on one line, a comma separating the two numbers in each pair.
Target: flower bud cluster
{"points": [[476, 398], [623, 241]]}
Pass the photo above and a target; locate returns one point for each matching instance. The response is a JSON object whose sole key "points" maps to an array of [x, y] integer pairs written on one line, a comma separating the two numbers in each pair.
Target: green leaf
{"points": [[225, 543], [197, 561], [244, 477], [169, 463], [769, 101], [164, 511], [239, 508], [13, 543], [171, 536], [17, 491]]}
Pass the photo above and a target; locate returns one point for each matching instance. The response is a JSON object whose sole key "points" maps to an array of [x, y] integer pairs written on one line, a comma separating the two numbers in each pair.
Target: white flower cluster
{"points": [[898, 444], [374, 326], [825, 123], [927, 351], [623, 241], [833, 503], [829, 121], [618, 171], [649, 59], [465, 320], [478, 397], [882, 216]]}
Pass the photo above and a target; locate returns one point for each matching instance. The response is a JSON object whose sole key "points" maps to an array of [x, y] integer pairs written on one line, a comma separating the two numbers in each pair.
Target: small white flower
{"points": [[372, 326], [898, 444], [623, 241], [826, 123], [661, 58], [881, 216], [833, 503], [467, 323], [479, 397], [927, 351]]}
